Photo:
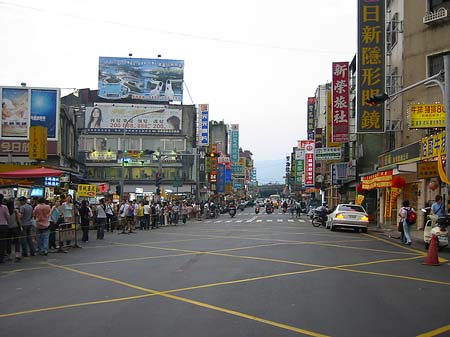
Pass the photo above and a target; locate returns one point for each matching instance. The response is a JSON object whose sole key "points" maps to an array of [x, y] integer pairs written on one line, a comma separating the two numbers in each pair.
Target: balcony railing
{"points": [[437, 16]]}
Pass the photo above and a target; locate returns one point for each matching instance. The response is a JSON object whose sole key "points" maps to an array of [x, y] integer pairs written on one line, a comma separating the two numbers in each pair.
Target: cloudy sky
{"points": [[254, 62]]}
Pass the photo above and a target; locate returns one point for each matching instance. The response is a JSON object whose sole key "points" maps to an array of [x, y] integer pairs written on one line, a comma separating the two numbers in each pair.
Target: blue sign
{"points": [[221, 178], [204, 126]]}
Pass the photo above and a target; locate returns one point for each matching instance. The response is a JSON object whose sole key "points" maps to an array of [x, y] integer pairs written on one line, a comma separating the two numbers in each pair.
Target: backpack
{"points": [[411, 216]]}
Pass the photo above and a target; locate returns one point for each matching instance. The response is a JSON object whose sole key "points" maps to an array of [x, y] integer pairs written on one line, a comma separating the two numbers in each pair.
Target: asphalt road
{"points": [[252, 275]]}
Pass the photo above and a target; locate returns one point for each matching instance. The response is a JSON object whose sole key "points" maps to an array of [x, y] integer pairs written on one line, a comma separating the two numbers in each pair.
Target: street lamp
{"points": [[122, 174]]}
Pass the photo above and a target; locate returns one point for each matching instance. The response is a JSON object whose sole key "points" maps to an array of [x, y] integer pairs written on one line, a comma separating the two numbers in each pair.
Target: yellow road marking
{"points": [[436, 332], [66, 306], [197, 303]]}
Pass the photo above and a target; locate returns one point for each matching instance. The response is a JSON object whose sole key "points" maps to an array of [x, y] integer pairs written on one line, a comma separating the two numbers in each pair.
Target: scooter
{"points": [[269, 209], [257, 209], [232, 211], [436, 226]]}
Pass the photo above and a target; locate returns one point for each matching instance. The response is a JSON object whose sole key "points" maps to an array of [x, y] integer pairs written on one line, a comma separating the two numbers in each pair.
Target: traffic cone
{"points": [[432, 257]]}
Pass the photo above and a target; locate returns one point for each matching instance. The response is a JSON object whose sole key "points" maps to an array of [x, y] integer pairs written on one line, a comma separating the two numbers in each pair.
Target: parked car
{"points": [[348, 215]]}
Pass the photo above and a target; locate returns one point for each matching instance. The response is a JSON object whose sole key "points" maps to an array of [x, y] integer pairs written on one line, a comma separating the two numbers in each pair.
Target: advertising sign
{"points": [[221, 178], [426, 116], [234, 143], [112, 118], [371, 64], [86, 190], [329, 139], [309, 164], [156, 80], [203, 125], [341, 102], [328, 153], [38, 143], [433, 145], [311, 116], [25, 107]]}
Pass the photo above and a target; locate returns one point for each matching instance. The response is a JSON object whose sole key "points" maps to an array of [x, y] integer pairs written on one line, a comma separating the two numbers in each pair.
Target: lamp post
{"points": [[122, 174]]}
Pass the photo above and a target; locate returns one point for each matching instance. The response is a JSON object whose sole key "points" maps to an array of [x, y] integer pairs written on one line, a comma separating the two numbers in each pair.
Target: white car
{"points": [[348, 215]]}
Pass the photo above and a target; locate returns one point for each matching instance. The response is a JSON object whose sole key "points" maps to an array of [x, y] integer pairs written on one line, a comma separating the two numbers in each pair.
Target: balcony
{"points": [[436, 17]]}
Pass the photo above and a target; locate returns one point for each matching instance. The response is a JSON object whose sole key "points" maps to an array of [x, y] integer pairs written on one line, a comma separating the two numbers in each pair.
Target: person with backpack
{"points": [[407, 219]]}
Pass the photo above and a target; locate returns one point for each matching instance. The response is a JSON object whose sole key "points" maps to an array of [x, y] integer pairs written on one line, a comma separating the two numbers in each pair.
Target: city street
{"points": [[251, 275]]}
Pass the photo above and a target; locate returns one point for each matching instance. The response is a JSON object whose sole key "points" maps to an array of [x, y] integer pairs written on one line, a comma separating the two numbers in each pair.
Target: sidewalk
{"points": [[391, 232]]}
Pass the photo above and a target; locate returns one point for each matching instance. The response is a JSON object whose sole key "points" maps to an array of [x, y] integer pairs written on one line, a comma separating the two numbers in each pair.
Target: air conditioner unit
{"points": [[433, 17]]}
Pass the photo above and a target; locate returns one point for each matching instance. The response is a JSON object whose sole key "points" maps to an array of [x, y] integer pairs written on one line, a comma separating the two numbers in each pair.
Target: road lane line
{"points": [[197, 303], [75, 305], [436, 332]]}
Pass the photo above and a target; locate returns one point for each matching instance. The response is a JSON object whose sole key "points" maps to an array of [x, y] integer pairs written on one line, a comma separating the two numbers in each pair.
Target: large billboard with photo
{"points": [[142, 119], [26, 107], [155, 80]]}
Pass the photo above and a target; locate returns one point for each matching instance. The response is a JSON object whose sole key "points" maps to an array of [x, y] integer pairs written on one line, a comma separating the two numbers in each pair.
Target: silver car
{"points": [[348, 215]]}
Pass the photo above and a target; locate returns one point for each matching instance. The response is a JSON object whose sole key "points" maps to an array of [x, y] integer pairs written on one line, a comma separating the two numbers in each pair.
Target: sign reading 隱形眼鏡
{"points": [[371, 65]]}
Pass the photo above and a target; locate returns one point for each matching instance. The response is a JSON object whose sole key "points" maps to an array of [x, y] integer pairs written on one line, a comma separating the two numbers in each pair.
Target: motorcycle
{"points": [[436, 226], [257, 209], [269, 209], [318, 220], [232, 211]]}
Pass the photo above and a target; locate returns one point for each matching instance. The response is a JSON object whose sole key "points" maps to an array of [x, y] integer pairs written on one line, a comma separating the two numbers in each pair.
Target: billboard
{"points": [[153, 119], [155, 80], [311, 116], [427, 116], [341, 102], [26, 107], [371, 64]]}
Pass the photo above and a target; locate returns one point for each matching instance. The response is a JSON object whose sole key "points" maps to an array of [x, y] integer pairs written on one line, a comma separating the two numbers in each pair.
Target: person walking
{"points": [[406, 237], [55, 220], [42, 214], [101, 219], [25, 216], [184, 212], [4, 227], [85, 213], [109, 210], [14, 230]]}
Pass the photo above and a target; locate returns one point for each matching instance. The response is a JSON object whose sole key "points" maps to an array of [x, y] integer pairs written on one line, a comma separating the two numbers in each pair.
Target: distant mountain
{"points": [[270, 171]]}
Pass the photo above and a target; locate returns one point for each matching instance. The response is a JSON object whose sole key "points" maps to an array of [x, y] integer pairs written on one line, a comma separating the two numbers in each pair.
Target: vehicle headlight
{"points": [[339, 216], [365, 218]]}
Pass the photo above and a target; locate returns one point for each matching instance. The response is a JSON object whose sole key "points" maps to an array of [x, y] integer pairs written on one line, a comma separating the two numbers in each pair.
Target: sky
{"points": [[255, 62]]}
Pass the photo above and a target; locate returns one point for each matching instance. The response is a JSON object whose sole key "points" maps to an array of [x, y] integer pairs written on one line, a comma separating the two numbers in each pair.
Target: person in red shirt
{"points": [[42, 213]]}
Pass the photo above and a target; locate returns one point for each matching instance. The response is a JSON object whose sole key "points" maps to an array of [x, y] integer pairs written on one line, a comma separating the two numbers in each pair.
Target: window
{"points": [[393, 29], [434, 5], [435, 63]]}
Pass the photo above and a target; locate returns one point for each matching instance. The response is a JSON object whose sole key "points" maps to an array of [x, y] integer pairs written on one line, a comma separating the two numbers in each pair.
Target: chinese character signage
{"points": [[311, 116], [329, 138], [433, 145], [38, 143], [371, 64], [112, 118], [86, 190], [221, 178], [203, 127], [309, 163], [340, 102], [426, 116], [234, 143], [156, 80]]}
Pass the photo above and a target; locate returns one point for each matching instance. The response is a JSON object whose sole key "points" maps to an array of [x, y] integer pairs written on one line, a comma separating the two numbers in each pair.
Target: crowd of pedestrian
{"points": [[29, 227]]}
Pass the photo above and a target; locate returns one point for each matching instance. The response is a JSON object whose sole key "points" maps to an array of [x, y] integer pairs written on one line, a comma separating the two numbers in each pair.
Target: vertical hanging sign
{"points": [[234, 143], [340, 105], [371, 65], [309, 163], [203, 127], [311, 116]]}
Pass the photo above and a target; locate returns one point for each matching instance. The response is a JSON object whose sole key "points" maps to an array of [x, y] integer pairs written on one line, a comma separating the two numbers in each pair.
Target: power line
{"points": [[180, 34]]}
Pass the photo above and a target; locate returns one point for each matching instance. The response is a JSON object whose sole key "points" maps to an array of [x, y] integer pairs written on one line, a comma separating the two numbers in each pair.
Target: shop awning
{"points": [[39, 172]]}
